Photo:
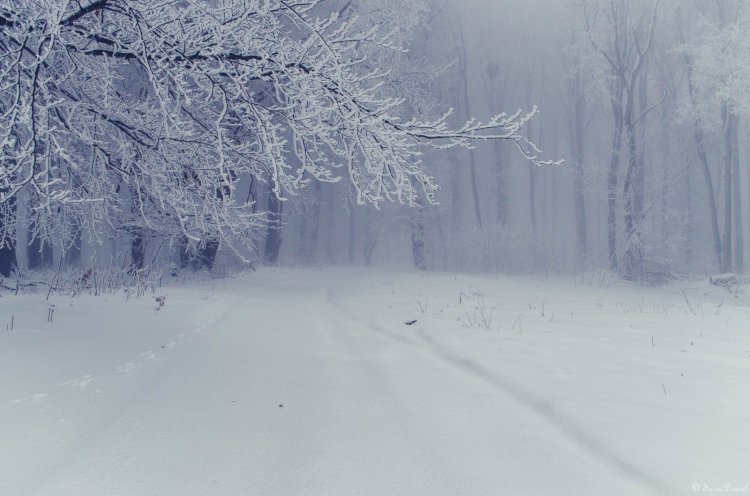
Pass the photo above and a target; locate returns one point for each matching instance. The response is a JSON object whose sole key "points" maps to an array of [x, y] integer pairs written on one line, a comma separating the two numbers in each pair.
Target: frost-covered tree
{"points": [[718, 63], [622, 33], [149, 117]]}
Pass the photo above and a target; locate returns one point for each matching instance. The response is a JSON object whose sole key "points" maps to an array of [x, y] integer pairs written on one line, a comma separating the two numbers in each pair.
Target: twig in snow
{"points": [[692, 310]]}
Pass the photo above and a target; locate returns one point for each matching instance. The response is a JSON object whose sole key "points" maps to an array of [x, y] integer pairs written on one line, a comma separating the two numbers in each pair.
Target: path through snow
{"points": [[291, 382]]}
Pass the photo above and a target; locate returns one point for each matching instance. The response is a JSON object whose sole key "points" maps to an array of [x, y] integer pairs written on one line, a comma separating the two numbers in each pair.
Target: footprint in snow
{"points": [[79, 382], [149, 355], [126, 368], [30, 400]]}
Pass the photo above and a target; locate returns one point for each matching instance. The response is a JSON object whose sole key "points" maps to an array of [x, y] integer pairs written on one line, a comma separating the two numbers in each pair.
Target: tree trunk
{"points": [[352, 234], [501, 184], [273, 231], [330, 225], [417, 239], [310, 227], [747, 182], [137, 252], [700, 147], [612, 181], [708, 180], [578, 99], [729, 120], [456, 196], [639, 177], [632, 267], [463, 62], [208, 253], [690, 218], [493, 87], [532, 197], [210, 245], [665, 181], [370, 245], [137, 239], [531, 168], [183, 252], [739, 242], [8, 261]]}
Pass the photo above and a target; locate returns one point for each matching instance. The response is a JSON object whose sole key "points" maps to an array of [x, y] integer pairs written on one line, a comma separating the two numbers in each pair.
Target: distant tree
{"points": [[623, 37], [718, 63], [577, 81]]}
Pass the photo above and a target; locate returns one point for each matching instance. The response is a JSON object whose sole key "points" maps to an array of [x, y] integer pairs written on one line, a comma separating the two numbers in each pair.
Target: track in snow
{"points": [[282, 389]]}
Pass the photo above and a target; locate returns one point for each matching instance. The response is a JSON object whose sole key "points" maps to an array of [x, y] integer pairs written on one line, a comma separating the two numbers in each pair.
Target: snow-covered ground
{"points": [[289, 382]]}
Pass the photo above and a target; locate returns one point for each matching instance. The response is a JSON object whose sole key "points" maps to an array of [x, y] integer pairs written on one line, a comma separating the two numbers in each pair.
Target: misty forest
{"points": [[376, 247]]}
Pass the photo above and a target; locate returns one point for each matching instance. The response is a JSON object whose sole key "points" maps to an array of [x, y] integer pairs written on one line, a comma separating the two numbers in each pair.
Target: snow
{"points": [[288, 382]]}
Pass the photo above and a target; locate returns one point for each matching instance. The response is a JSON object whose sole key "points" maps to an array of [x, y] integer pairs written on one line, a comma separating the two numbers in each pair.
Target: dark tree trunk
{"points": [[330, 225], [739, 242], [532, 169], [532, 196], [137, 239], [462, 63], [369, 250], [747, 193], [632, 267], [183, 252], [708, 180], [273, 232], [501, 184], [210, 246], [729, 121], [578, 168], [208, 253], [666, 184], [700, 147], [456, 196], [8, 261], [137, 252], [310, 227], [690, 218], [612, 180], [495, 87], [417, 240], [370, 235], [352, 233], [639, 175]]}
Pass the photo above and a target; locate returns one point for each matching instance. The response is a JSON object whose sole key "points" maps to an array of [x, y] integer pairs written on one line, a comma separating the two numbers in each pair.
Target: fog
{"points": [[641, 167], [488, 57]]}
